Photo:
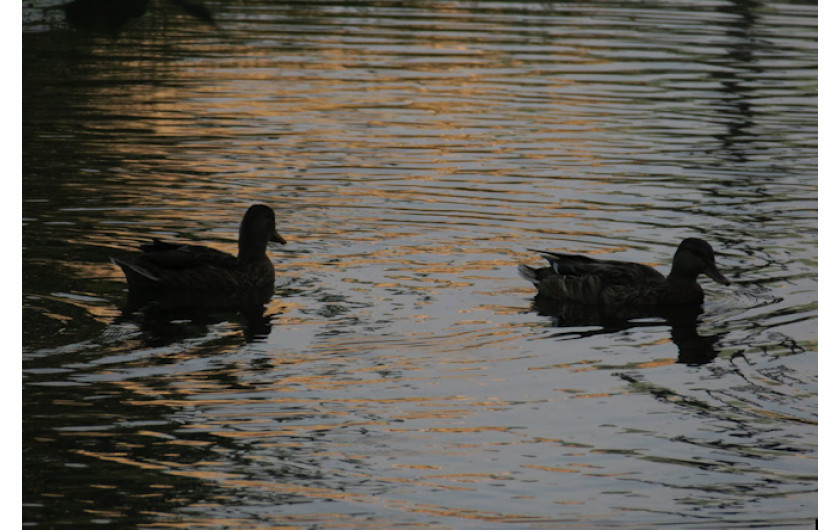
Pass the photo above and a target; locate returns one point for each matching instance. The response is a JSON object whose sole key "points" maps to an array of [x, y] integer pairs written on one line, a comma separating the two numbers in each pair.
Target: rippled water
{"points": [[400, 376]]}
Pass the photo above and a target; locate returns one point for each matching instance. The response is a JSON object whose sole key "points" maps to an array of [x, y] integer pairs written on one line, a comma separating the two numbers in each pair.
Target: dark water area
{"points": [[401, 375]]}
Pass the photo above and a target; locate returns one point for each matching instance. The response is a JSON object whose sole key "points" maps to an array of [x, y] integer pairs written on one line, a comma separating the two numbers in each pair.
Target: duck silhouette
{"points": [[173, 268], [618, 284]]}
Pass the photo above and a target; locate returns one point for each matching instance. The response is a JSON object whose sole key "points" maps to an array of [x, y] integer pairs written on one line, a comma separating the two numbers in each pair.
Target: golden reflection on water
{"points": [[402, 355], [120, 459]]}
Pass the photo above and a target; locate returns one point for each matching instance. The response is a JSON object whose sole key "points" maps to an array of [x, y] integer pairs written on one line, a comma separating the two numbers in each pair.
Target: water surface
{"points": [[400, 376]]}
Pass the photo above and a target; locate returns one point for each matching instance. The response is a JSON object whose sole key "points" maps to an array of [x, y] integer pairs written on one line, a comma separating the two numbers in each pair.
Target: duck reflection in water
{"points": [[581, 291], [167, 318], [172, 282], [693, 348]]}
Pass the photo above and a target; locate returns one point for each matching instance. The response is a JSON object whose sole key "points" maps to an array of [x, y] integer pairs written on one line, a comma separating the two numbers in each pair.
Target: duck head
{"points": [[256, 230], [693, 257]]}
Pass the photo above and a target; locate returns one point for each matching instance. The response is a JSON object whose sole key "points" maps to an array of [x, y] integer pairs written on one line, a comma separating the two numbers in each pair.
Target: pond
{"points": [[401, 375]]}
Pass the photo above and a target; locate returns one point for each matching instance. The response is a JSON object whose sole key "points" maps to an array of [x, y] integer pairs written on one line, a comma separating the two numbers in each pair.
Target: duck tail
{"points": [[528, 273], [130, 268]]}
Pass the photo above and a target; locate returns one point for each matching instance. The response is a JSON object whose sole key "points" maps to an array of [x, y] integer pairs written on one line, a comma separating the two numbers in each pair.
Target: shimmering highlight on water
{"points": [[400, 376]]}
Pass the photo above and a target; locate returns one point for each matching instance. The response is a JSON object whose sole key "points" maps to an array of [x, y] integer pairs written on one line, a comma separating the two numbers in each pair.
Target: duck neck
{"points": [[251, 251], [681, 279], [684, 288]]}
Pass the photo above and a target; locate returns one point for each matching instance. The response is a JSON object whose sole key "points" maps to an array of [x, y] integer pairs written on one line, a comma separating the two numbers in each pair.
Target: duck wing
{"points": [[608, 272], [179, 257], [177, 267]]}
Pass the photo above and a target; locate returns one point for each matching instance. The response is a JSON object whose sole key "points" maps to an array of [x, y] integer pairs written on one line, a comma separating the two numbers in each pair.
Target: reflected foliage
{"points": [[108, 15], [113, 15], [101, 462]]}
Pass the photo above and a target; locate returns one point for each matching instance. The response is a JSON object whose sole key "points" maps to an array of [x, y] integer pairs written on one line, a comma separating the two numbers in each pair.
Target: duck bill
{"points": [[277, 238], [713, 273]]}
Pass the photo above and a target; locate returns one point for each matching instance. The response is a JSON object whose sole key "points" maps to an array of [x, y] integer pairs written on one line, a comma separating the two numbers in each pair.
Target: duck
{"points": [[583, 280], [164, 267]]}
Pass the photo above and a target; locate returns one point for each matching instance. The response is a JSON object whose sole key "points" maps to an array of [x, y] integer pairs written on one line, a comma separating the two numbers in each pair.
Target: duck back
{"points": [[182, 268]]}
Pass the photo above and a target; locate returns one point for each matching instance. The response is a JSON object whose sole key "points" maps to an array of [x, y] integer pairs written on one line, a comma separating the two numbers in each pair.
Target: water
{"points": [[400, 377]]}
